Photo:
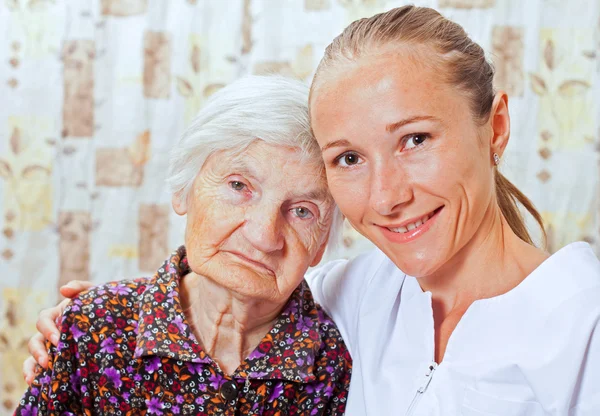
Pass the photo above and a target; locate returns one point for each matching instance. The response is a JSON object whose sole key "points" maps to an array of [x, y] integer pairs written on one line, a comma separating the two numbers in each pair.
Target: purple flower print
{"points": [[30, 410], [75, 379], [120, 289], [154, 406], [153, 364], [108, 346], [277, 390], [77, 333], [179, 322], [216, 380], [195, 368], [114, 376], [313, 388], [304, 324], [256, 354]]}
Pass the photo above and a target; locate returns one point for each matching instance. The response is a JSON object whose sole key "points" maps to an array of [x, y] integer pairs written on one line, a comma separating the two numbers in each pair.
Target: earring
{"points": [[496, 159]]}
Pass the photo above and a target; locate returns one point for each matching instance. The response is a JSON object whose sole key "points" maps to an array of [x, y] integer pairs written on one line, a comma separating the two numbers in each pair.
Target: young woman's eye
{"points": [[237, 185], [347, 159], [302, 212], [415, 140]]}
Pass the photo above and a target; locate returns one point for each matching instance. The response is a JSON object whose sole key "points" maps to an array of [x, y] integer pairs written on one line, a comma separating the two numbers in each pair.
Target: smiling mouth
{"points": [[407, 227], [256, 264]]}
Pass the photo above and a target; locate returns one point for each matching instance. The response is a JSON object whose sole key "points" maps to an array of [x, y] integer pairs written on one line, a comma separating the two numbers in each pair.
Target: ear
{"points": [[500, 124], [320, 253], [179, 204]]}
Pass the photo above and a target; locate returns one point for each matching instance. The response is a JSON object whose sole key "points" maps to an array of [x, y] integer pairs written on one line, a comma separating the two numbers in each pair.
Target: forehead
{"points": [[286, 169], [386, 87]]}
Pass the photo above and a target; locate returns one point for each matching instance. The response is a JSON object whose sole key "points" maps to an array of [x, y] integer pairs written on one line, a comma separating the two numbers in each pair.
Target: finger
{"points": [[29, 370], [46, 323], [74, 287], [37, 349]]}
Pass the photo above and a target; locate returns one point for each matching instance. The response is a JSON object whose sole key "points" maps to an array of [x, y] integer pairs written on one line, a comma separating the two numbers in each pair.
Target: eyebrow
{"points": [[390, 128], [335, 143], [242, 167], [320, 195]]}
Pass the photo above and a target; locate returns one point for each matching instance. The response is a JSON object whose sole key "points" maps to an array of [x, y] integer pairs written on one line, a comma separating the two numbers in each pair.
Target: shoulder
{"points": [[350, 273], [568, 277], [105, 307], [112, 295], [564, 339]]}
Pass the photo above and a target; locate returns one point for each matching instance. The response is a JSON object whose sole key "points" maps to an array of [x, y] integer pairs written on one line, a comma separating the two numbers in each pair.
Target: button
{"points": [[229, 390]]}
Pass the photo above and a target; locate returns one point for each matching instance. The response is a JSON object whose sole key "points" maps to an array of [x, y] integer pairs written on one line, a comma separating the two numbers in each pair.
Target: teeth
{"points": [[412, 226]]}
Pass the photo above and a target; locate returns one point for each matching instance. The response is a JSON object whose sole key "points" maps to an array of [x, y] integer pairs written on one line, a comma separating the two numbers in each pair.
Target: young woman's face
{"points": [[406, 162]]}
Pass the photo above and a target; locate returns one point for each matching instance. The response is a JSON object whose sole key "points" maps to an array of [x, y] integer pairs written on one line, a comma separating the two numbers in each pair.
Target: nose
{"points": [[389, 188], [263, 229]]}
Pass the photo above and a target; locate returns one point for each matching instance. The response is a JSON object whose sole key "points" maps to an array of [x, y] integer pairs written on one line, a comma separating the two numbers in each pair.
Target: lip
{"points": [[256, 264], [411, 235]]}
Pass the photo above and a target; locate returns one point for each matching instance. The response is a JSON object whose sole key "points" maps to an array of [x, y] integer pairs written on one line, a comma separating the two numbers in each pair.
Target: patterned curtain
{"points": [[95, 92]]}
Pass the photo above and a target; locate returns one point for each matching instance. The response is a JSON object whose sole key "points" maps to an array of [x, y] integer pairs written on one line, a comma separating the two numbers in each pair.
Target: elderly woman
{"points": [[457, 312], [226, 325]]}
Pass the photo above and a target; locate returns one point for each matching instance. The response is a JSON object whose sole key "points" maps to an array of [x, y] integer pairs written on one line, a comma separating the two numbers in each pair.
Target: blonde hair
{"points": [[466, 68]]}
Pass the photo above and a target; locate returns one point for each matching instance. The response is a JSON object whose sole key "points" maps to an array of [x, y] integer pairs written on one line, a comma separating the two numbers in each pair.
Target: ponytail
{"points": [[508, 196]]}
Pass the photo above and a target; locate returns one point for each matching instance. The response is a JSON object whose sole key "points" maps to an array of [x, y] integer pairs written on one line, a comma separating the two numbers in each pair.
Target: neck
{"points": [[227, 325], [493, 262]]}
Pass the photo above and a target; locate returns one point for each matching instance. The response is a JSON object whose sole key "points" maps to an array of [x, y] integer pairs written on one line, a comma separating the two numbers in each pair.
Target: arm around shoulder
{"points": [[55, 389]]}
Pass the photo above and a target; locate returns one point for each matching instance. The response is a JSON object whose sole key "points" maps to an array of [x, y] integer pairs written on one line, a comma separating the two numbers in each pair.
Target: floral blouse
{"points": [[126, 349]]}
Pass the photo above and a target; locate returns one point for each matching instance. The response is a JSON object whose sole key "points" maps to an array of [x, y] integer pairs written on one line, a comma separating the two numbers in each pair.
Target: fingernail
{"points": [[54, 339]]}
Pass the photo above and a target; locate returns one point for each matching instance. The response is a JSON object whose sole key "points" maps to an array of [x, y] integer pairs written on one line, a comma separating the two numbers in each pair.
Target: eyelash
{"points": [[338, 159], [305, 218], [412, 136], [405, 140], [244, 186], [310, 216]]}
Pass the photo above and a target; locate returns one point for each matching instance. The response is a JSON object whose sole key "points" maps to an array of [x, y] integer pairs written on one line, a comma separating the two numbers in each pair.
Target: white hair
{"points": [[270, 108]]}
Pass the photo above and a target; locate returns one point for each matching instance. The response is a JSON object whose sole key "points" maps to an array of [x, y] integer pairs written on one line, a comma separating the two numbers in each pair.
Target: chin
{"points": [[416, 264]]}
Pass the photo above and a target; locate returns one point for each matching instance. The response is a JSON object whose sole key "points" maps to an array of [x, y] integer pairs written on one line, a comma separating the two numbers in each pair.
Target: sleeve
{"points": [[564, 366], [585, 359], [338, 286], [54, 390]]}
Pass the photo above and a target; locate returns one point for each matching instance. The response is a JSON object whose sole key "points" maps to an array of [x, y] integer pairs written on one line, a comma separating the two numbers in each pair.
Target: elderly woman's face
{"points": [[257, 220], [405, 161]]}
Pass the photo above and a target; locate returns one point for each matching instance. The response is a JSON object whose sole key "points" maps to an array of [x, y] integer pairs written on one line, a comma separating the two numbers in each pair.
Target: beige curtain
{"points": [[93, 93]]}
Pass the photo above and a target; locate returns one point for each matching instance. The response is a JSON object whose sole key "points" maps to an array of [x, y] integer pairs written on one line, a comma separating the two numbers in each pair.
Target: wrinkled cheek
{"points": [[208, 229]]}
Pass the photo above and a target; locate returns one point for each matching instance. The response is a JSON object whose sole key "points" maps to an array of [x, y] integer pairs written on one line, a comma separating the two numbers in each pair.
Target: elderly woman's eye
{"points": [[347, 159], [237, 185], [302, 212]]}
